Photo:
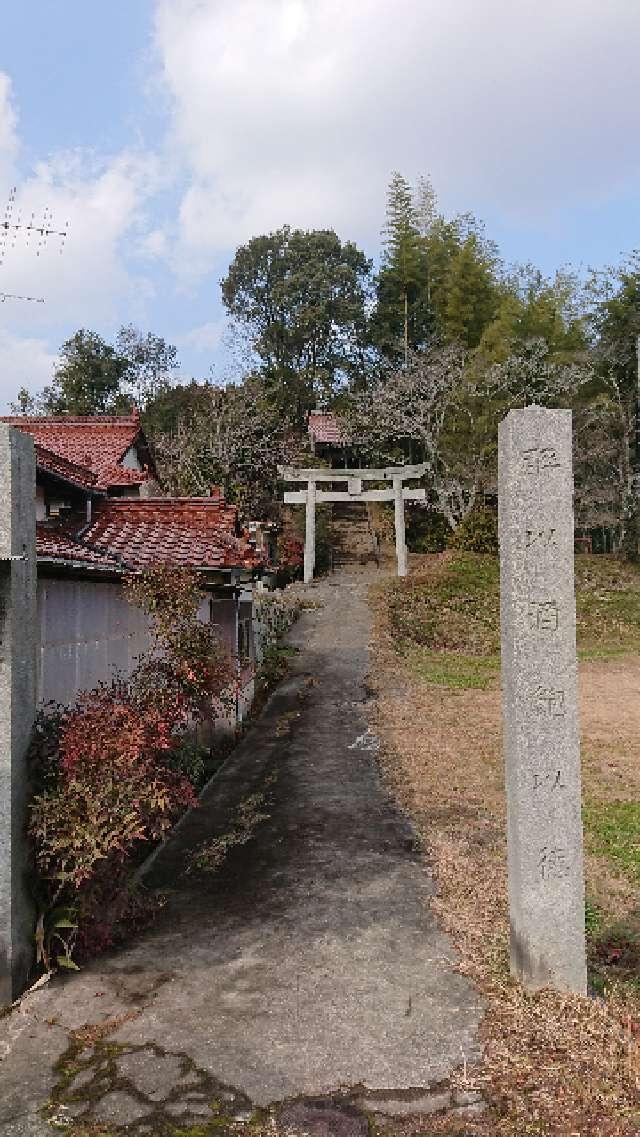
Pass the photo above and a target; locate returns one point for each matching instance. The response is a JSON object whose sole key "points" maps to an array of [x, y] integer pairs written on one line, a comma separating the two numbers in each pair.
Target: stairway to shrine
{"points": [[353, 540]]}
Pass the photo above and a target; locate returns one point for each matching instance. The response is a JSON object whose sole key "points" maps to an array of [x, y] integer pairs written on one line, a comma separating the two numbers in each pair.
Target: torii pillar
{"points": [[398, 510], [310, 532]]}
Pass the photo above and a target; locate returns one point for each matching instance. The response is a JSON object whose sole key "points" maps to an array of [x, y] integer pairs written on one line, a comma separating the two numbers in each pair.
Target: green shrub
{"points": [[477, 533], [427, 531]]}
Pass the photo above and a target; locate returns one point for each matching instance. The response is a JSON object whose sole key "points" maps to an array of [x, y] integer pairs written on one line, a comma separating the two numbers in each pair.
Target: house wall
{"points": [[227, 615], [87, 632], [130, 460]]}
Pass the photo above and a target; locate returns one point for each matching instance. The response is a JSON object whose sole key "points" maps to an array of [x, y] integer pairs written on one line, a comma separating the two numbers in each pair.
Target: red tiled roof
{"points": [[63, 468], [189, 532], [97, 442], [325, 427], [62, 548]]}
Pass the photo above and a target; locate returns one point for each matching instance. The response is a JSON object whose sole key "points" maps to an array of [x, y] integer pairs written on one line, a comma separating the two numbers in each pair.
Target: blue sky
{"points": [[168, 131]]}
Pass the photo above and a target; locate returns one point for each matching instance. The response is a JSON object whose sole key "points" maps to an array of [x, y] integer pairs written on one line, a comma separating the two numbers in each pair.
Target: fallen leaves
{"points": [[555, 1065]]}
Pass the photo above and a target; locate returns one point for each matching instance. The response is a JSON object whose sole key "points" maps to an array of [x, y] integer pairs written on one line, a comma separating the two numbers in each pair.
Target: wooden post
{"points": [[310, 533], [401, 548]]}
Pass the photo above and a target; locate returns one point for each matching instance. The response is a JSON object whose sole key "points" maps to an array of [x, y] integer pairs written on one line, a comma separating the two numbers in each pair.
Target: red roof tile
{"points": [[63, 468], [189, 532], [325, 427], [97, 442], [61, 548]]}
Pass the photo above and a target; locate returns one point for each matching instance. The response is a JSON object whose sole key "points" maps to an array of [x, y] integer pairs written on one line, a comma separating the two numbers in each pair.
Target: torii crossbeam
{"points": [[311, 496]]}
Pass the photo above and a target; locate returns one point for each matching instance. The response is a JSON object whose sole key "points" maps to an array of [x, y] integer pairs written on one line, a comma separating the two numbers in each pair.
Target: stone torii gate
{"points": [[309, 497]]}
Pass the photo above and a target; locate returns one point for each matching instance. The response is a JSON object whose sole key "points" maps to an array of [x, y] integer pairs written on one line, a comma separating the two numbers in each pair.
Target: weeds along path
{"points": [[310, 963], [554, 1065]]}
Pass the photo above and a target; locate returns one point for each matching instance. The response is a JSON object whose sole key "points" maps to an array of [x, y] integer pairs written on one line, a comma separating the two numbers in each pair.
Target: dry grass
{"points": [[555, 1065]]}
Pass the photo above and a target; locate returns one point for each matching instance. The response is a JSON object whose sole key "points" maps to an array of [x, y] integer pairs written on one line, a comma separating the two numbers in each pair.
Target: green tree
{"points": [[174, 405], [26, 403], [615, 321], [463, 274], [401, 322], [471, 293], [301, 296], [95, 377], [615, 326], [425, 205], [88, 379], [151, 363], [535, 308]]}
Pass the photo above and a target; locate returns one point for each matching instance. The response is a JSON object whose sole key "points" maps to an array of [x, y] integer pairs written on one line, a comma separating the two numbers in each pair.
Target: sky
{"points": [[168, 132]]}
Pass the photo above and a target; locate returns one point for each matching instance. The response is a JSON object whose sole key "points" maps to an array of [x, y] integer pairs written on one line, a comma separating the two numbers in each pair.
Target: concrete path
{"points": [[310, 964]]}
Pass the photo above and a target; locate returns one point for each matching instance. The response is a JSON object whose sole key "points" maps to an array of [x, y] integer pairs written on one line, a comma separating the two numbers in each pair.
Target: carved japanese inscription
{"points": [[544, 537], [539, 458], [549, 702], [540, 710], [553, 862], [543, 615], [551, 780]]}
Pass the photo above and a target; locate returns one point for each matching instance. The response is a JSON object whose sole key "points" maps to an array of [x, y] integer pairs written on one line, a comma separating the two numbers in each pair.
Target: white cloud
{"points": [[87, 279], [298, 110], [8, 129], [100, 203], [204, 337], [25, 361]]}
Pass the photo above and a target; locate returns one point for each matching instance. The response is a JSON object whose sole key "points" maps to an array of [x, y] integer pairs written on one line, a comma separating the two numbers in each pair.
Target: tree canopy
{"points": [[96, 377], [88, 378], [301, 297]]}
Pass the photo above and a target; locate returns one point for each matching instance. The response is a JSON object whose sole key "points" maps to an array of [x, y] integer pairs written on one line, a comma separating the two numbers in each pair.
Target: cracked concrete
{"points": [[310, 962]]}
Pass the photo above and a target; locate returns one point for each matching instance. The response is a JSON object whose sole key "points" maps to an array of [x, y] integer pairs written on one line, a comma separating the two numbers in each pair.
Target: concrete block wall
{"points": [[18, 637]]}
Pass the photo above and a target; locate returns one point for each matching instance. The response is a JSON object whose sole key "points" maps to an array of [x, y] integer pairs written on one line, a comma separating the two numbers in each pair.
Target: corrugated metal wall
{"points": [[87, 631]]}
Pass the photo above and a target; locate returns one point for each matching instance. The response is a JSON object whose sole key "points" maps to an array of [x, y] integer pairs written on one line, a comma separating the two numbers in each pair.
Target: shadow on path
{"points": [[310, 962]]}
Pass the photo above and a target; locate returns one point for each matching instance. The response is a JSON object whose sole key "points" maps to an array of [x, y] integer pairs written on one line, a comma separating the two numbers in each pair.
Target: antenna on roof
{"points": [[41, 231], [10, 296]]}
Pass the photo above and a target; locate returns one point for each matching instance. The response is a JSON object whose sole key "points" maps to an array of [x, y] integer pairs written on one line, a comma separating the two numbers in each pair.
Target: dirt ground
{"points": [[555, 1065]]}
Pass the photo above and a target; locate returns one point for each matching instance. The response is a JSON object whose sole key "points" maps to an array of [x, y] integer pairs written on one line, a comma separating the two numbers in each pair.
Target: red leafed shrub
{"points": [[290, 552], [290, 559], [107, 774]]}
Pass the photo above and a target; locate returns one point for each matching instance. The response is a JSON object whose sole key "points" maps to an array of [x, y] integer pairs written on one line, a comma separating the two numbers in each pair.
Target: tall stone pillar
{"points": [[18, 640], [401, 546], [310, 533], [540, 699]]}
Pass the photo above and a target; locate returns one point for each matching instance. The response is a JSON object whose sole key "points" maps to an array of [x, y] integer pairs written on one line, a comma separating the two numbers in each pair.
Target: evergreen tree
{"points": [[426, 206], [301, 296], [615, 323], [471, 294], [534, 308], [88, 379], [401, 319]]}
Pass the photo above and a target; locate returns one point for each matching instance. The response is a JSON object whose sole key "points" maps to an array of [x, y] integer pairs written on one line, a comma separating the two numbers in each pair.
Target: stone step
{"points": [[352, 511]]}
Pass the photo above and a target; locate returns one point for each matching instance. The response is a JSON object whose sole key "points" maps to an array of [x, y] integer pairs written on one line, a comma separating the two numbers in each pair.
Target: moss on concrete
{"points": [[88, 1072]]}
